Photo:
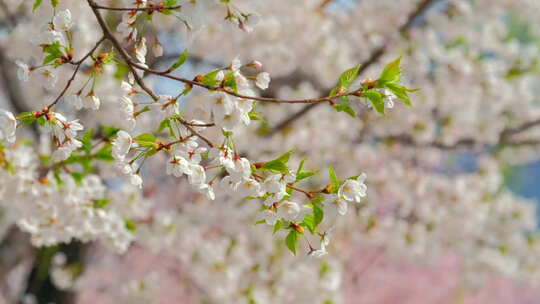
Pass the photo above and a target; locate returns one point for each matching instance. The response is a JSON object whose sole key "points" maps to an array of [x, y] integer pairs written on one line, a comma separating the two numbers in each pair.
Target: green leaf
{"points": [[260, 222], [278, 225], [348, 77], [151, 151], [291, 240], [109, 131], [169, 3], [166, 123], [376, 99], [400, 92], [37, 3], [45, 159], [276, 166], [58, 178], [346, 108], [301, 166], [87, 141], [109, 59], [285, 156], [122, 69], [186, 90], [309, 222], [27, 118], [145, 137], [210, 78], [78, 177], [54, 3], [183, 57], [130, 225], [318, 214], [230, 81], [101, 203], [332, 174], [279, 164], [42, 121], [255, 116], [304, 174], [391, 73], [54, 51]]}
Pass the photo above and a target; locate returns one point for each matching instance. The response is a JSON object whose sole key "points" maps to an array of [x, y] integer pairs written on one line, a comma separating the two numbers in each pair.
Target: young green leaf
{"points": [[332, 174], [309, 222], [130, 225], [87, 141], [210, 78], [230, 81], [345, 108], [145, 137], [400, 92], [276, 166], [391, 73], [37, 3], [279, 164], [376, 99], [255, 116], [146, 140], [181, 59], [166, 124], [318, 215], [78, 177], [100, 203], [348, 77], [54, 51], [109, 131], [291, 240], [26, 118], [285, 156], [278, 225], [304, 174]]}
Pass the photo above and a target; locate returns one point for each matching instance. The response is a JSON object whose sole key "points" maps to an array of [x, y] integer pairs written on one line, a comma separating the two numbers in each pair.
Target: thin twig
{"points": [[148, 8], [77, 67], [232, 93], [119, 48], [195, 132]]}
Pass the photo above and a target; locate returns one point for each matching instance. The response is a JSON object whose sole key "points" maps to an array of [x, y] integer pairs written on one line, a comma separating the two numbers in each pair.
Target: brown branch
{"points": [[229, 92], [77, 67], [408, 140], [375, 56], [198, 124], [467, 143], [107, 33], [147, 9], [509, 132], [188, 125], [10, 17], [323, 4]]}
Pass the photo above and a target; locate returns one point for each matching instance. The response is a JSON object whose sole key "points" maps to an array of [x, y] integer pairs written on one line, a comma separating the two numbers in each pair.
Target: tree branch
{"points": [[78, 66], [107, 33], [420, 9], [147, 9]]}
